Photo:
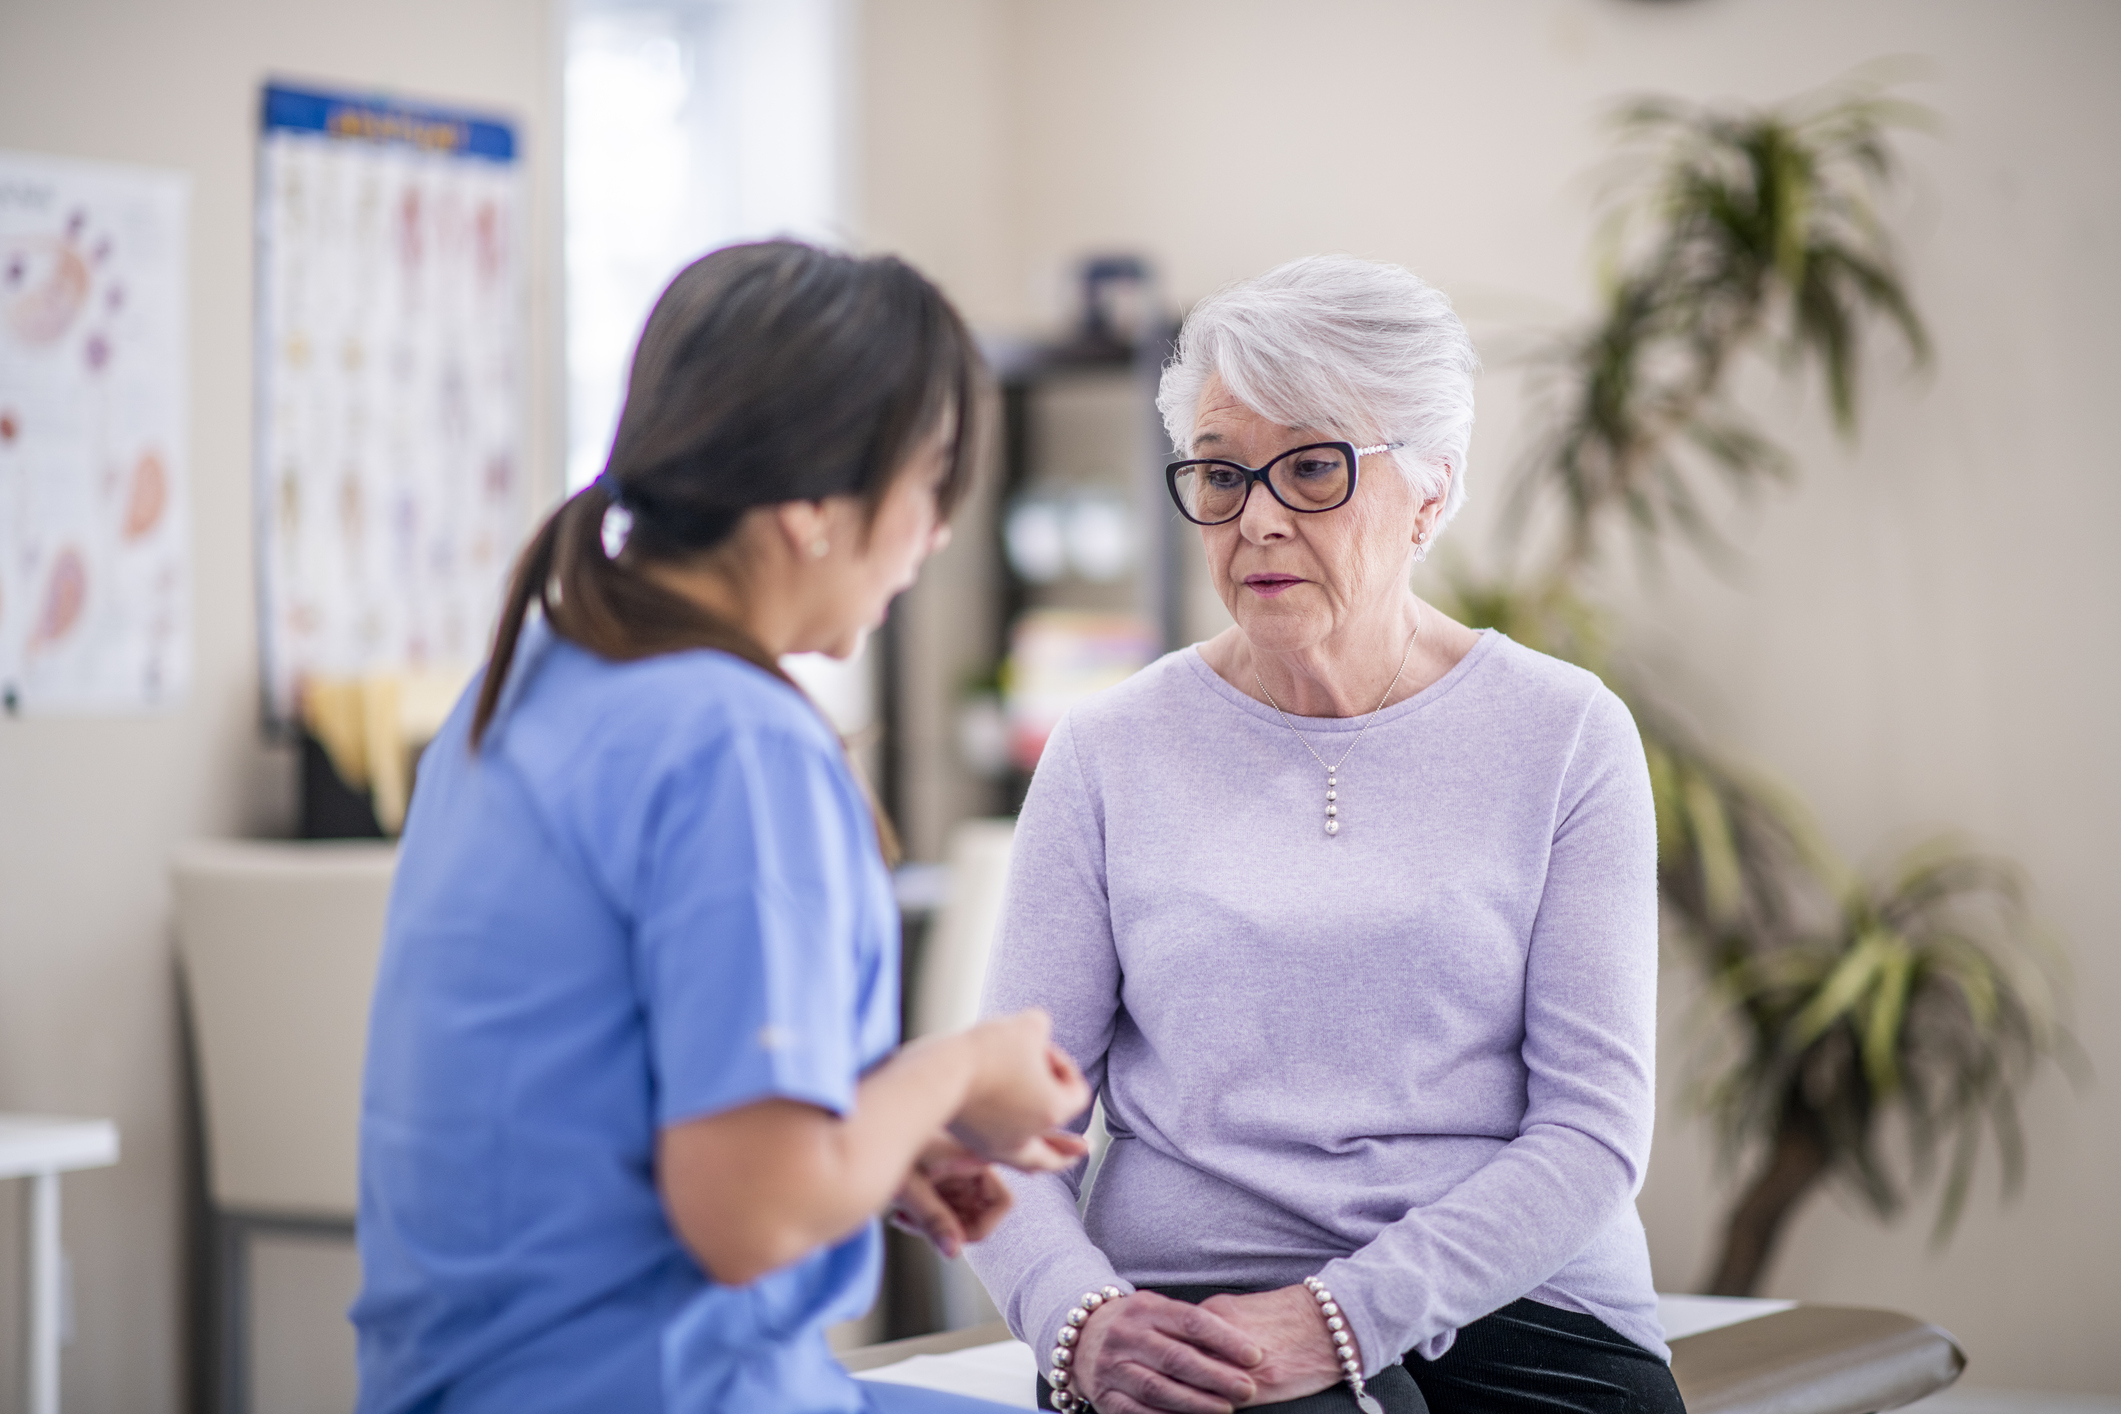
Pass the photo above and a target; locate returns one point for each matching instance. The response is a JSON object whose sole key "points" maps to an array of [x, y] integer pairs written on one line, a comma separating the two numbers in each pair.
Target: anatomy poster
{"points": [[392, 353], [95, 592]]}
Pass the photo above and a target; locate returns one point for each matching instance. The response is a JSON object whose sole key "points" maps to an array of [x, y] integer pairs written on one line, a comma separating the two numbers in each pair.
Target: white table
{"points": [[40, 1148]]}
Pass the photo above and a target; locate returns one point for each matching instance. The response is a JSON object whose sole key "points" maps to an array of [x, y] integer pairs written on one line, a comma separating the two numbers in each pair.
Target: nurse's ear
{"points": [[805, 528]]}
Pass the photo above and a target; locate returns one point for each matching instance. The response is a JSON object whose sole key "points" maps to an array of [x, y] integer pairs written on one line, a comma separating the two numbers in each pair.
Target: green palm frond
{"points": [[1932, 995], [1747, 228]]}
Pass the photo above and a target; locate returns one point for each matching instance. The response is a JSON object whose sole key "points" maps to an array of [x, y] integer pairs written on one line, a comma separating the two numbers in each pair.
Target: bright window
{"points": [[691, 124]]}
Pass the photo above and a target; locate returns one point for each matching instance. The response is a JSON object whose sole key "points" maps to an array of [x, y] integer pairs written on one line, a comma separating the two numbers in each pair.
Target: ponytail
{"points": [[620, 614], [605, 606], [532, 573], [767, 373]]}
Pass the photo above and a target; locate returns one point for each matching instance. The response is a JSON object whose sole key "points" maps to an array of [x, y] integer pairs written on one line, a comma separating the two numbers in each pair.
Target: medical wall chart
{"points": [[391, 358], [95, 583]]}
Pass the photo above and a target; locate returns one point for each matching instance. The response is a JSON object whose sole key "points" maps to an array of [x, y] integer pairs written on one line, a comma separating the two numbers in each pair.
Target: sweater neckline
{"points": [[1433, 693]]}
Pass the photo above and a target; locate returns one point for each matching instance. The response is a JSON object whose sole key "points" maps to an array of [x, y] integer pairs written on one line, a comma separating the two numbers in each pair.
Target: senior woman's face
{"points": [[1290, 580]]}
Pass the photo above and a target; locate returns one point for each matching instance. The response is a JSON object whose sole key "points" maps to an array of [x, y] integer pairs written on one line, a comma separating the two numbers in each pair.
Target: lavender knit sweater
{"points": [[1415, 1058]]}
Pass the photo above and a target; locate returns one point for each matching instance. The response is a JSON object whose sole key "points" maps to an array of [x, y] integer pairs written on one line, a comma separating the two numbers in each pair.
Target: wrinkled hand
{"points": [[1148, 1354], [1286, 1326], [1024, 1090], [951, 1197]]}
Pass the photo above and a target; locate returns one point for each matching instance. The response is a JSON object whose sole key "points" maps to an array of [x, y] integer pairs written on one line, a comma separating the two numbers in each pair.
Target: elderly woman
{"points": [[1349, 914]]}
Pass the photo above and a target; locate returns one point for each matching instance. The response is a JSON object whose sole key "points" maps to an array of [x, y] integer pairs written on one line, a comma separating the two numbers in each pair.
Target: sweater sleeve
{"points": [[1054, 950], [1590, 1012]]}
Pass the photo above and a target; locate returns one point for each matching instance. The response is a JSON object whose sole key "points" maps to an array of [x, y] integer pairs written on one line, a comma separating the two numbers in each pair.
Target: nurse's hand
{"points": [[1024, 1089], [759, 1186], [952, 1197]]}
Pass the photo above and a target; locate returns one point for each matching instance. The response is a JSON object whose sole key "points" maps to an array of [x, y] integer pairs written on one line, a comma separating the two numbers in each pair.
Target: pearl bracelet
{"points": [[1343, 1345], [1065, 1399]]}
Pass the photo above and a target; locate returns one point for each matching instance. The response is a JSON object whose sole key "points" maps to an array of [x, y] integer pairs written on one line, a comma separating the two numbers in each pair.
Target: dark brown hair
{"points": [[767, 373]]}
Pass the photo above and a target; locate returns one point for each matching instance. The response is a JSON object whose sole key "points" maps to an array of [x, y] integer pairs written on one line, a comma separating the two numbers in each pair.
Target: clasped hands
{"points": [[1149, 1354]]}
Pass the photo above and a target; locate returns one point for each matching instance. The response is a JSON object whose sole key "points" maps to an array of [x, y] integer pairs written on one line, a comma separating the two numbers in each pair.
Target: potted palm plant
{"points": [[1869, 1026]]}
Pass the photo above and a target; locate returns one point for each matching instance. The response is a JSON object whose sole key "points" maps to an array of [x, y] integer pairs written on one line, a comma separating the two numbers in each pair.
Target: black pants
{"points": [[1527, 1358], [1530, 1358]]}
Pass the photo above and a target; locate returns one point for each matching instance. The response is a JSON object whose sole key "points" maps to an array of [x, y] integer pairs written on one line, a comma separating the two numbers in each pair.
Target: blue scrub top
{"points": [[653, 895]]}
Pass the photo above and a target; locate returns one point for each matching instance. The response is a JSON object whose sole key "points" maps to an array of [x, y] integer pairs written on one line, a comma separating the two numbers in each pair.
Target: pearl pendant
{"points": [[1332, 810]]}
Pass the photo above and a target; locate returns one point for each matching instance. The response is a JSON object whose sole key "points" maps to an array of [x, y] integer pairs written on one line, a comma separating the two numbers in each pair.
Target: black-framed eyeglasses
{"points": [[1319, 476]]}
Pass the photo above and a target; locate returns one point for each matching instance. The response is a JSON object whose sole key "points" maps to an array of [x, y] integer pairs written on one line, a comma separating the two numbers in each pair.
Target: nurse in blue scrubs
{"points": [[634, 1096]]}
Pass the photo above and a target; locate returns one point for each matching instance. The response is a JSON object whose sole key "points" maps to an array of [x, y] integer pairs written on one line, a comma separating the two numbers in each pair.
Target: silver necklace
{"points": [[1333, 771]]}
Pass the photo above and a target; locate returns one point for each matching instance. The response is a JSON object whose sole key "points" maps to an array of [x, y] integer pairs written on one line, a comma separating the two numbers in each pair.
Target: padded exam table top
{"points": [[1730, 1356]]}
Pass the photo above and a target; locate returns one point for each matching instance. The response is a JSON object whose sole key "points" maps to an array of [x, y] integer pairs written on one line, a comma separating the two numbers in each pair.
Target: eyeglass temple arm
{"points": [[1380, 447]]}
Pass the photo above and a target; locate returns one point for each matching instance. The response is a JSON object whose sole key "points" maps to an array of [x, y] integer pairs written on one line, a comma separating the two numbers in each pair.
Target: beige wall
{"points": [[1928, 634], [89, 808]]}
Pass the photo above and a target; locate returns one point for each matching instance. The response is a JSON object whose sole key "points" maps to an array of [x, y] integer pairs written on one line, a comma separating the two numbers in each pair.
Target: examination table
{"points": [[1730, 1356]]}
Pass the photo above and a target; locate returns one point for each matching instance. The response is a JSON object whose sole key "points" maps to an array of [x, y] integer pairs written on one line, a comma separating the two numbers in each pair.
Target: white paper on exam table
{"points": [[1683, 1316], [1005, 1373]]}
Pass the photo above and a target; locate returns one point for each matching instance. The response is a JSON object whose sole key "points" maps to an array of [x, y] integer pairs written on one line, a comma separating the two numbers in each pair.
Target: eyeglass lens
{"points": [[1307, 479]]}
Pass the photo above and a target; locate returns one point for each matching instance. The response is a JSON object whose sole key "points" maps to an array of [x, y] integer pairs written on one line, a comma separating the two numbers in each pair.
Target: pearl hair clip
{"points": [[1065, 1399]]}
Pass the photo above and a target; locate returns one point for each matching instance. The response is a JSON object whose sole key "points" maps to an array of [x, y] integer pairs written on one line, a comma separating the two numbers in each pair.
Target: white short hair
{"points": [[1361, 348]]}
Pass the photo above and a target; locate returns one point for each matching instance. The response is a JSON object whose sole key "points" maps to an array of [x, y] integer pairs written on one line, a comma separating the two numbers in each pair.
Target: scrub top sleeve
{"points": [[749, 974]]}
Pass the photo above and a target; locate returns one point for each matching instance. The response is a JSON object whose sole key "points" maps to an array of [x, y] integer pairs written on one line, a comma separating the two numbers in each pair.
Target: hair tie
{"points": [[609, 485]]}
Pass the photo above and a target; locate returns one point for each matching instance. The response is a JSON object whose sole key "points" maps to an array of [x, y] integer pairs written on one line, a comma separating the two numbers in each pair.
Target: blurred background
{"points": [[1920, 633]]}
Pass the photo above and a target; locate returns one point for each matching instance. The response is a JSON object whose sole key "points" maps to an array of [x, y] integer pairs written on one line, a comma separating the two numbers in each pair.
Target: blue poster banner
{"points": [[384, 120]]}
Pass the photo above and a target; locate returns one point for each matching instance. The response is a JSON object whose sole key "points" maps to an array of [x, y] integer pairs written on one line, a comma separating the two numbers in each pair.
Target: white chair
{"points": [[278, 943], [953, 959], [950, 969]]}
